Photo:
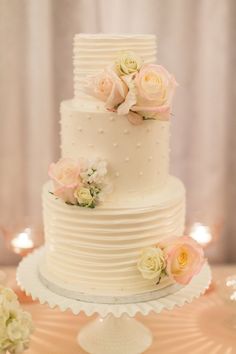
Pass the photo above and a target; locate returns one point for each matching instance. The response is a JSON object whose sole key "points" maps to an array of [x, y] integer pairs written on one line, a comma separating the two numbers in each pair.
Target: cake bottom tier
{"points": [[95, 251]]}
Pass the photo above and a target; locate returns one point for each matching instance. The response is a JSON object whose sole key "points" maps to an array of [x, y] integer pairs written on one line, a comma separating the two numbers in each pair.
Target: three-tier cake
{"points": [[113, 215]]}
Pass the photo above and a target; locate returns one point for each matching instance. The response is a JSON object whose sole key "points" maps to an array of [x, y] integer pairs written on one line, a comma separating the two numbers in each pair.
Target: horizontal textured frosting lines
{"points": [[110, 42], [99, 245], [87, 62], [102, 230], [106, 226], [88, 54], [89, 262], [129, 283], [92, 54], [118, 274], [117, 230], [123, 284], [113, 238], [83, 276], [99, 249], [69, 252], [100, 262], [99, 257], [97, 270]]}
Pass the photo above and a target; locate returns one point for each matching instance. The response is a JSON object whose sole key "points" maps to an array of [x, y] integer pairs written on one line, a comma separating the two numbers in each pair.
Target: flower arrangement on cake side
{"points": [[130, 87], [178, 258], [15, 324], [82, 182]]}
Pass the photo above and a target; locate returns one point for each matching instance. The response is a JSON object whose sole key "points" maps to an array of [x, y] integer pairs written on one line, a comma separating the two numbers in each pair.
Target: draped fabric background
{"points": [[196, 41]]}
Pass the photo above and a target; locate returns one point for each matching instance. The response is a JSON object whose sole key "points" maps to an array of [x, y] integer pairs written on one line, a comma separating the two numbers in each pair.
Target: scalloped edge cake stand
{"points": [[115, 331]]}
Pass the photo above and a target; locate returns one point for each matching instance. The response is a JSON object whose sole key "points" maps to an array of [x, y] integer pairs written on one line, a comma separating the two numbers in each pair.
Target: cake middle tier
{"points": [[97, 250], [137, 156]]}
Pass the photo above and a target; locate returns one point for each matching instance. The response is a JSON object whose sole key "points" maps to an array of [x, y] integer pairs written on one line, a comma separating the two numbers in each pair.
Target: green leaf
{"points": [[148, 118], [158, 282], [68, 203]]}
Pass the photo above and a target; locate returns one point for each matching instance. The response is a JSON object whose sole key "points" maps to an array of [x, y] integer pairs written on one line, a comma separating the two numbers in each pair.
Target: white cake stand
{"points": [[115, 331]]}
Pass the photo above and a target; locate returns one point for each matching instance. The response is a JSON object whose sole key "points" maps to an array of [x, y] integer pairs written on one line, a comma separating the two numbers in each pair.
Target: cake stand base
{"points": [[115, 335]]}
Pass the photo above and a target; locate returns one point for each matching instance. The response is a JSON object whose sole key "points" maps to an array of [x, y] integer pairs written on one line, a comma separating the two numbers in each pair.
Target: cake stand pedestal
{"points": [[115, 331], [112, 335]]}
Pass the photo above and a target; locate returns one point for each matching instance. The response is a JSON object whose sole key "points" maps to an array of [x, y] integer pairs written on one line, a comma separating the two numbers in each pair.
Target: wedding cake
{"points": [[114, 217]]}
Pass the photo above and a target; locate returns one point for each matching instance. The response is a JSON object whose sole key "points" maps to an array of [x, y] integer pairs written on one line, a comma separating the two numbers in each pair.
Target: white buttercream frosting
{"points": [[137, 156], [93, 52], [97, 250]]}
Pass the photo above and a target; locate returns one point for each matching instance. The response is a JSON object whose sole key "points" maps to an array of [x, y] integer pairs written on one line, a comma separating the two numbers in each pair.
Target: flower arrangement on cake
{"points": [[179, 258], [130, 87], [82, 182], [15, 324]]}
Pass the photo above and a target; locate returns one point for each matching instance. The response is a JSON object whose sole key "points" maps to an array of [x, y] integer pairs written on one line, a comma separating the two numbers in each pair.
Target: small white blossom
{"points": [[93, 171]]}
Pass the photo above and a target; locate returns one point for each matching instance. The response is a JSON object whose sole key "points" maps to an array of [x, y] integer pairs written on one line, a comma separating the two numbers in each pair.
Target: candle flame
{"points": [[201, 234], [23, 240]]}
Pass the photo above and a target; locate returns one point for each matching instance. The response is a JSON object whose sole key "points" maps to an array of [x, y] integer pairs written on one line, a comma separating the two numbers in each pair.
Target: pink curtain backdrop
{"points": [[196, 41]]}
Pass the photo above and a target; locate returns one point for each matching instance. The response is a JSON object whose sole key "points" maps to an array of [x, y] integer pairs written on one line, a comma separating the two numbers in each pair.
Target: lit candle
{"points": [[201, 234], [23, 242]]}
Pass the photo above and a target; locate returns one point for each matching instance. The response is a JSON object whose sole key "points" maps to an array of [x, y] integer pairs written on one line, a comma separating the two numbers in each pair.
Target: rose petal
{"points": [[134, 118]]}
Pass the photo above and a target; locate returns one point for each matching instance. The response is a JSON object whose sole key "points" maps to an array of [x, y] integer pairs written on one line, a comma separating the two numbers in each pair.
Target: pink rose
{"points": [[108, 87], [155, 88], [65, 175], [184, 258]]}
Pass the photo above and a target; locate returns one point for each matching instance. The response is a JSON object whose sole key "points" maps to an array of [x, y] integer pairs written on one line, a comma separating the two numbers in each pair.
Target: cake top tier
{"points": [[93, 52]]}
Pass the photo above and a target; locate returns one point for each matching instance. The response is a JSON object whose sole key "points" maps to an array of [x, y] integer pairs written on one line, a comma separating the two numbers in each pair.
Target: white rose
{"points": [[127, 63], [14, 330], [26, 325], [152, 263], [84, 197]]}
